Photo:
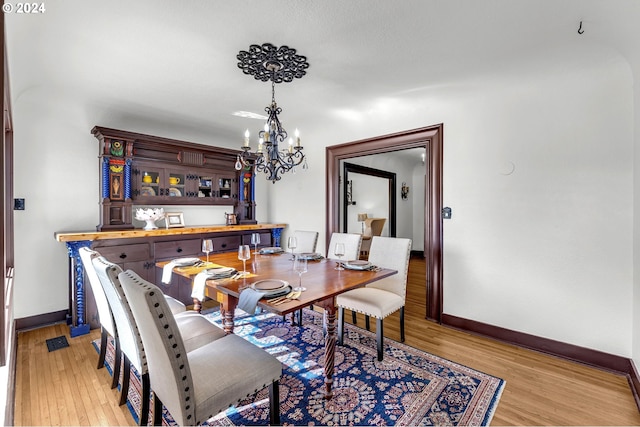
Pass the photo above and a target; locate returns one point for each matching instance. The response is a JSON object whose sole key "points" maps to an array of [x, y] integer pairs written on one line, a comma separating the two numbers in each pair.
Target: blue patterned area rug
{"points": [[409, 387]]}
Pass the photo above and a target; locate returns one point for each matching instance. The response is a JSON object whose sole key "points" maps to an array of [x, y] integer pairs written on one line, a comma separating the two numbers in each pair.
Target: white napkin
{"points": [[199, 283], [167, 270]]}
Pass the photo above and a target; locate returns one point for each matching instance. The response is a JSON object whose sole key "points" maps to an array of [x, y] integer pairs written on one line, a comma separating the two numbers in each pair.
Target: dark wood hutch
{"points": [[138, 169]]}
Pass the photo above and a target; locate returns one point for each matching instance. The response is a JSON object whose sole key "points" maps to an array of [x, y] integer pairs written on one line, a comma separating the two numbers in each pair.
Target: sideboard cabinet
{"points": [[145, 170], [140, 250]]}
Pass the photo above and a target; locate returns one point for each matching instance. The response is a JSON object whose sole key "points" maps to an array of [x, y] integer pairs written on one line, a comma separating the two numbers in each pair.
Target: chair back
{"points": [[307, 241], [128, 334], [393, 253], [374, 226], [169, 369], [102, 305], [352, 243]]}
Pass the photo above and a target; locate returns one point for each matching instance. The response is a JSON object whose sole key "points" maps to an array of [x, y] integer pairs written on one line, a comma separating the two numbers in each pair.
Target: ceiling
{"points": [[172, 64]]}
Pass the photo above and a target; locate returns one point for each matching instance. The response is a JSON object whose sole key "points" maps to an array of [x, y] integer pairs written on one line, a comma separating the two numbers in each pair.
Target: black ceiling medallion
{"points": [[268, 62]]}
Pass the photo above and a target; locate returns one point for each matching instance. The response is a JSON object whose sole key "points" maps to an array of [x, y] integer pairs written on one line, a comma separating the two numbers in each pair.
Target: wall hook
{"points": [[580, 30]]}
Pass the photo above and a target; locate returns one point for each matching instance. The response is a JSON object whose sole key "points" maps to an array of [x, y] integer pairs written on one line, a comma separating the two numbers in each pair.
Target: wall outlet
{"points": [[18, 204]]}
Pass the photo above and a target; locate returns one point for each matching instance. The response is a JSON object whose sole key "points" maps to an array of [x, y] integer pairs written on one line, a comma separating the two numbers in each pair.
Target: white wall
{"points": [[636, 219], [539, 173], [545, 250]]}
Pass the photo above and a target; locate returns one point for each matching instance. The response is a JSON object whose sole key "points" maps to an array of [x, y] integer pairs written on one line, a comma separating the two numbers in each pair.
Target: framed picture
{"points": [[174, 219]]}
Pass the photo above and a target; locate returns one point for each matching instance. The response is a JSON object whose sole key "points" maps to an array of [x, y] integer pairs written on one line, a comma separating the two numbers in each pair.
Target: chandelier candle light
{"points": [[278, 64]]}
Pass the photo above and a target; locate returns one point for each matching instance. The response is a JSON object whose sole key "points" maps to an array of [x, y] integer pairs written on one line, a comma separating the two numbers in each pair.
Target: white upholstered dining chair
{"points": [[107, 324], [198, 330], [307, 241], [385, 296], [196, 385], [352, 243]]}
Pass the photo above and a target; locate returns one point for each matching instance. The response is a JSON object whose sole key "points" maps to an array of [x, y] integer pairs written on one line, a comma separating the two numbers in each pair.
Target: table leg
{"points": [[329, 344], [227, 310]]}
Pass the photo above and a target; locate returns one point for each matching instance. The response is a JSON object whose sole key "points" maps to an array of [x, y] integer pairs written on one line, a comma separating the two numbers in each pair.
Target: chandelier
{"points": [[276, 152]]}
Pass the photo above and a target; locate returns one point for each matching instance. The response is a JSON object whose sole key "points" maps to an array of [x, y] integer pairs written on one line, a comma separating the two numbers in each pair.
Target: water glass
{"points": [[244, 253], [300, 266], [339, 251], [292, 243], [255, 241], [207, 246]]}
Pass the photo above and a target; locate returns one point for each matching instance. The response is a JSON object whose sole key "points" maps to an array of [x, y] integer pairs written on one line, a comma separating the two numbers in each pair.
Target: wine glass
{"points": [[292, 243], [207, 246], [255, 241], [244, 253], [300, 265], [339, 251]]}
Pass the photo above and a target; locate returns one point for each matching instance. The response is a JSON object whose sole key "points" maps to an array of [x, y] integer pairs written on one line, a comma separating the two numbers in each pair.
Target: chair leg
{"points": [[380, 339], [126, 375], [366, 323], [146, 395], [157, 410], [116, 365], [103, 347], [354, 319], [296, 315], [340, 324], [402, 324], [274, 403]]}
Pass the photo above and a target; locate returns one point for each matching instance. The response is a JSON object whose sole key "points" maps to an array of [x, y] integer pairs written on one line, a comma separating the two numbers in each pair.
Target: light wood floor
{"points": [[65, 388]]}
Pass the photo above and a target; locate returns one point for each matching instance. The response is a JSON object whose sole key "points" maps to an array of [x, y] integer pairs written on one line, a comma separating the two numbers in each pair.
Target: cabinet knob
{"points": [[179, 250], [123, 255], [224, 245]]}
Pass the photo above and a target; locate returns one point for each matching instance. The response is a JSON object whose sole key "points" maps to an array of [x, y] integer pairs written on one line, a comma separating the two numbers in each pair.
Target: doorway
{"points": [[431, 139], [389, 181]]}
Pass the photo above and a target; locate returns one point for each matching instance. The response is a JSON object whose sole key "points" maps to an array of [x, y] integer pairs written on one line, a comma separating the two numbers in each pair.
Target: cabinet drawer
{"points": [[125, 253], [265, 239], [226, 244], [177, 248]]}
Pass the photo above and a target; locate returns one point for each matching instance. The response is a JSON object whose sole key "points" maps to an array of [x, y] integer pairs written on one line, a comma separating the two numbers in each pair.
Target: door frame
{"points": [[431, 139]]}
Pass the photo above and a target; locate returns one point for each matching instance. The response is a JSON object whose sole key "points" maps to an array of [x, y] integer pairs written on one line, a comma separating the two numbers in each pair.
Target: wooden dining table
{"points": [[322, 282]]}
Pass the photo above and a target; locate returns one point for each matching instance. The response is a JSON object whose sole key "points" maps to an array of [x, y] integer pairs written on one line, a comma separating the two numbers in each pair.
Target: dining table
{"points": [[322, 281]]}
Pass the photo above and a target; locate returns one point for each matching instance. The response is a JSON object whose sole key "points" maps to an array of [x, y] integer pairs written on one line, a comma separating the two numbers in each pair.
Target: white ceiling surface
{"points": [[171, 65]]}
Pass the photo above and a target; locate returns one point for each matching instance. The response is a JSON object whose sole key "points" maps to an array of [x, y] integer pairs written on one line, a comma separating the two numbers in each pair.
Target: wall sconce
{"points": [[350, 193], [404, 191]]}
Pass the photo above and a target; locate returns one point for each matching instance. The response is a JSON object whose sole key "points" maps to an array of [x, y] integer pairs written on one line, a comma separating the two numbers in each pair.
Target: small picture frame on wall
{"points": [[174, 219], [117, 187]]}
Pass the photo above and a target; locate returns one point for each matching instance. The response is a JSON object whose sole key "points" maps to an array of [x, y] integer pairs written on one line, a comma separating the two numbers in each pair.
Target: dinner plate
{"points": [[147, 191], [311, 256], [174, 192], [271, 250], [184, 262], [270, 285], [280, 293], [357, 265], [220, 272]]}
